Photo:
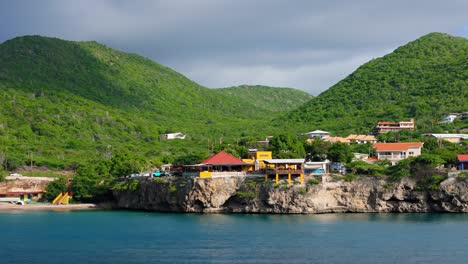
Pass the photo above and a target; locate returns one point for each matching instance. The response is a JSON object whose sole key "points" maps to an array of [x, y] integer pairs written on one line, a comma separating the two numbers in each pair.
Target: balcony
{"points": [[283, 171]]}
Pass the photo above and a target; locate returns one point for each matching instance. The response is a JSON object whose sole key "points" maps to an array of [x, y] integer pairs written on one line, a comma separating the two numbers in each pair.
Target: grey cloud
{"points": [[308, 45]]}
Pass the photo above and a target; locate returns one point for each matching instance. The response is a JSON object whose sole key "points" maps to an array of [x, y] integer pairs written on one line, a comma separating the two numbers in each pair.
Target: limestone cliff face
{"points": [[255, 196]]}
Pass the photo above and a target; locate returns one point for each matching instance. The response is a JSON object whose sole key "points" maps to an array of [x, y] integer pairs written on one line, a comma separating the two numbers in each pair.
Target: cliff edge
{"points": [[327, 194]]}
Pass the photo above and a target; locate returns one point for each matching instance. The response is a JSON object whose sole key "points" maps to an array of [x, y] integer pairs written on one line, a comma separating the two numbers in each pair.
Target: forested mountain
{"points": [[269, 99], [64, 101], [421, 80]]}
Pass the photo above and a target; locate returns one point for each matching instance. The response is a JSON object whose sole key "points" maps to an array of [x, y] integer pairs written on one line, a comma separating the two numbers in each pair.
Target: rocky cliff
{"points": [[326, 195]]}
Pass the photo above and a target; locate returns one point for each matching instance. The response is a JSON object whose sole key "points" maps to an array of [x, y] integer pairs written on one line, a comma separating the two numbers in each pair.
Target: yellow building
{"points": [[257, 158], [282, 168]]}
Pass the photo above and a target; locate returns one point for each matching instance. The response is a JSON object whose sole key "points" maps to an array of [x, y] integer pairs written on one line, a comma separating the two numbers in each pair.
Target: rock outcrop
{"points": [[253, 195]]}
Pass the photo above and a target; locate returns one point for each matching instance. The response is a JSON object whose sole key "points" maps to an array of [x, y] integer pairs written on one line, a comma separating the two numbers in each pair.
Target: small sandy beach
{"points": [[47, 207]]}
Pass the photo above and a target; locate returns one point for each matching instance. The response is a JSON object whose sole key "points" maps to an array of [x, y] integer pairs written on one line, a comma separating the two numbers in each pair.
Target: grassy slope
{"points": [[423, 79], [64, 101], [268, 99]]}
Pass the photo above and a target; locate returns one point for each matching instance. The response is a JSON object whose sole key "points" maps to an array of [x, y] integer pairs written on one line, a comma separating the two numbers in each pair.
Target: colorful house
{"points": [[395, 152], [24, 190], [462, 160], [256, 159], [220, 164], [385, 127], [282, 168], [316, 167]]}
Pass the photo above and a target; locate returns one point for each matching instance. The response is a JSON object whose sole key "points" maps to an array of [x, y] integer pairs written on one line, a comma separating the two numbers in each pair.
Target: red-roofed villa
{"points": [[395, 152], [220, 164]]}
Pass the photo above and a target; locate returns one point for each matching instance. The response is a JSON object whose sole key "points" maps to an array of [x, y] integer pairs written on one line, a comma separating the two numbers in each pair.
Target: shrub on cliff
{"points": [[246, 194], [364, 168], [313, 181], [53, 189], [89, 186]]}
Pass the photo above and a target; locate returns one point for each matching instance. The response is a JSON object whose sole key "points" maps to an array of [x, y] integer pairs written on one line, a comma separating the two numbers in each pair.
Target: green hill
{"points": [[64, 102], [421, 80], [269, 99]]}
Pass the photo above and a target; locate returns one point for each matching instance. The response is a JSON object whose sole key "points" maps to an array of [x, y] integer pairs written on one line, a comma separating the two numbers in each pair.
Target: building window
{"points": [[411, 153], [403, 155]]}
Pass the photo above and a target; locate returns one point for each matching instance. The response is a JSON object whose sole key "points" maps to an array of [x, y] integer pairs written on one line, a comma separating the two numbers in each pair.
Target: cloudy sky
{"points": [[304, 44]]}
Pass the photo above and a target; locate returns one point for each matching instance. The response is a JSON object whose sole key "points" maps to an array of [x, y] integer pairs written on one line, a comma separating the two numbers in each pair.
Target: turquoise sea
{"points": [[142, 237]]}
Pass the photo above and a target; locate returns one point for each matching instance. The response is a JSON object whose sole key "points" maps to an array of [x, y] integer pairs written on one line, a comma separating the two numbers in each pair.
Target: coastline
{"points": [[5, 207]]}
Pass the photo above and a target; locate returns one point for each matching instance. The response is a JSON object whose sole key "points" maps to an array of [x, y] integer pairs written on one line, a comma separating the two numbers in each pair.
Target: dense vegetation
{"points": [[423, 80], [97, 111], [268, 99], [64, 103]]}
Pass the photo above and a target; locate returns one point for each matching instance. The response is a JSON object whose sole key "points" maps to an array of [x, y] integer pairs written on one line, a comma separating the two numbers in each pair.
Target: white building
{"points": [[318, 134], [395, 152], [177, 135]]}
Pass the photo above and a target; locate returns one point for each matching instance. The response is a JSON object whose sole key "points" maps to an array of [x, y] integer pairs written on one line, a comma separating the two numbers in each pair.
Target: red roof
{"points": [[462, 157], [222, 158], [397, 146]]}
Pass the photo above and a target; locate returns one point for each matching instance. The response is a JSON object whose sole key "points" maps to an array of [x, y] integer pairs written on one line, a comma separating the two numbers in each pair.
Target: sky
{"points": [[305, 44]]}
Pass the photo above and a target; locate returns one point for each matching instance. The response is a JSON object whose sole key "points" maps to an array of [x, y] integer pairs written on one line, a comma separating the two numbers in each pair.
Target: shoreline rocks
{"points": [[253, 195]]}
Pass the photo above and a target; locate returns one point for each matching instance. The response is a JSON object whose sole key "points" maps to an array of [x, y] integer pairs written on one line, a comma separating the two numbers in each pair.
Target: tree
{"points": [[363, 148], [89, 186], [124, 163], [362, 167], [189, 159], [318, 149], [53, 189], [287, 146], [340, 152], [84, 183]]}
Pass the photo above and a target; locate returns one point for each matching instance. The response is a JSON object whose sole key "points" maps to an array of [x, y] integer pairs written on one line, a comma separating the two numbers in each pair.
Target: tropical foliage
{"points": [[64, 102], [423, 80]]}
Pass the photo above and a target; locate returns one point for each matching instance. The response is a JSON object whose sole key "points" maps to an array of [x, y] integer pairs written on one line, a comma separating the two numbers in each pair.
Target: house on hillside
{"points": [[453, 138], [462, 160], [318, 134], [449, 118], [359, 139], [385, 127], [265, 142], [217, 165], [177, 135], [395, 152], [362, 139], [336, 139]]}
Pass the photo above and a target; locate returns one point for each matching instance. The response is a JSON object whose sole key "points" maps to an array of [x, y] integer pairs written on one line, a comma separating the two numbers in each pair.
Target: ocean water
{"points": [[142, 237]]}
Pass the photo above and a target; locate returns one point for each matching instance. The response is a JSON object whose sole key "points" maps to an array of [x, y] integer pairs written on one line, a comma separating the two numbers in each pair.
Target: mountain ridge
{"points": [[422, 79], [65, 101]]}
